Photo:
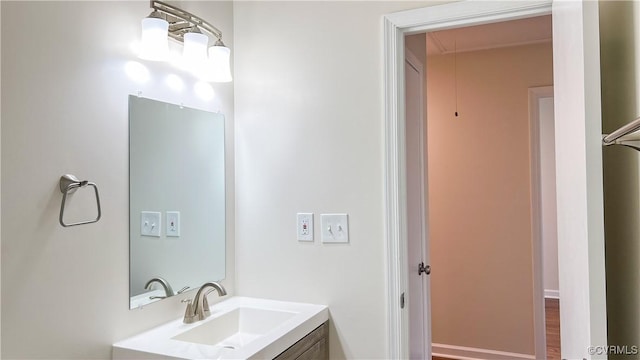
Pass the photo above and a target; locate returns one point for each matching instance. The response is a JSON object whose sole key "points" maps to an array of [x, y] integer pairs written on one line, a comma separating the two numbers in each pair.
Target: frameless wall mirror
{"points": [[176, 199]]}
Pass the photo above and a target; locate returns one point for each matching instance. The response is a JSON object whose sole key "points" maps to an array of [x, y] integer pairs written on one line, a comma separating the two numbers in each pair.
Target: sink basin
{"points": [[238, 328]]}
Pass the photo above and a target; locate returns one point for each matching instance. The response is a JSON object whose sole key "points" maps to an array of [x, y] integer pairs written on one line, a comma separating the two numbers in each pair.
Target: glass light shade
{"points": [[195, 48], [218, 68], [155, 40]]}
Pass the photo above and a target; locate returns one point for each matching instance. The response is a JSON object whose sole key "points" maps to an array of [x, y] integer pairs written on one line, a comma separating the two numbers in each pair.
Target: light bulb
{"points": [[218, 68], [154, 45], [195, 48]]}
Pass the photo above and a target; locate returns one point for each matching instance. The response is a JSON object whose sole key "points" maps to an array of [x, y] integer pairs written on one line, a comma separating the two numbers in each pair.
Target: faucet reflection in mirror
{"points": [[168, 21], [168, 291]]}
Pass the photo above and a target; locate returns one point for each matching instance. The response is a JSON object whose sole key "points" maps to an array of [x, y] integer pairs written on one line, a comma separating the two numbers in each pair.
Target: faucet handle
{"points": [[205, 306], [189, 314]]}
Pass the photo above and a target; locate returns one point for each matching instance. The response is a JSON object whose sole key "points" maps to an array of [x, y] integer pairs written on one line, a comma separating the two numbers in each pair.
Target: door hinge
{"points": [[424, 269]]}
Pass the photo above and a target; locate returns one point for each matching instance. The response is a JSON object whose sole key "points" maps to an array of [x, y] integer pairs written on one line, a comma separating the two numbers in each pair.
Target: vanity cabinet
{"points": [[314, 346]]}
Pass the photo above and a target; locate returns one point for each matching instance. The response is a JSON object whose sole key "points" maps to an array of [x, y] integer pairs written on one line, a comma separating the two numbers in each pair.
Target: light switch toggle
{"points": [[150, 223], [335, 228], [331, 230]]}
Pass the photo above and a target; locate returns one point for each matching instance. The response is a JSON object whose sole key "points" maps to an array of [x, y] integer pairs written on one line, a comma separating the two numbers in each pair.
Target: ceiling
{"points": [[490, 36]]}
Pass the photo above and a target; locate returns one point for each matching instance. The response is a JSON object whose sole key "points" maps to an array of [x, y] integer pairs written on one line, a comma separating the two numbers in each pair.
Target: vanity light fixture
{"points": [[168, 21]]}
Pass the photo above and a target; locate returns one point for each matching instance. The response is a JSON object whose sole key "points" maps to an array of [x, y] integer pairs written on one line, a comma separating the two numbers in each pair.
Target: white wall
{"points": [[65, 290], [300, 84], [309, 122]]}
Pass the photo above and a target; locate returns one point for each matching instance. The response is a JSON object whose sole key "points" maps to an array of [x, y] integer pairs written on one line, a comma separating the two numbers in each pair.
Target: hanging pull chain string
{"points": [[455, 72]]}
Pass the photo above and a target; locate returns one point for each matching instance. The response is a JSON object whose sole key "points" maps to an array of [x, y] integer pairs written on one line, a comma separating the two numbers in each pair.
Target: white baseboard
{"points": [[468, 353], [553, 294]]}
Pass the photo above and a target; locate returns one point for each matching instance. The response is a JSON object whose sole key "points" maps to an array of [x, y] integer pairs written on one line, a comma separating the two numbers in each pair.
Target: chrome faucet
{"points": [[165, 284], [199, 310]]}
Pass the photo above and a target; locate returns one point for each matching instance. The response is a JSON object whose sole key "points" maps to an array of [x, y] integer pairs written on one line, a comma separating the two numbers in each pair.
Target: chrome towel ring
{"points": [[68, 185]]}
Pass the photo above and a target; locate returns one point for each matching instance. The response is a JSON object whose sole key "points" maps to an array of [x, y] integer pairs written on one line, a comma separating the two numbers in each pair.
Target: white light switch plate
{"points": [[304, 226], [173, 223], [150, 223], [335, 228]]}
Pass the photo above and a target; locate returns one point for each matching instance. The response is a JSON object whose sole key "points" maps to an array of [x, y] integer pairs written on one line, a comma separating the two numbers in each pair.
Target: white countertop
{"points": [[158, 343]]}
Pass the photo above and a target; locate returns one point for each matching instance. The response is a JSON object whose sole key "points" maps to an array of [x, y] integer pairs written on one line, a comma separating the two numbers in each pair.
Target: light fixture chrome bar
{"points": [[627, 136], [181, 21]]}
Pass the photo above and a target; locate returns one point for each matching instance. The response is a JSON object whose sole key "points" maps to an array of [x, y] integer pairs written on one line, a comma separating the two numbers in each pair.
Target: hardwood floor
{"points": [[552, 321]]}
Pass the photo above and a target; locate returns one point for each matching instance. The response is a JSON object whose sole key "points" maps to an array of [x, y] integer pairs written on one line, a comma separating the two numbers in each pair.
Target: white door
{"points": [[419, 332]]}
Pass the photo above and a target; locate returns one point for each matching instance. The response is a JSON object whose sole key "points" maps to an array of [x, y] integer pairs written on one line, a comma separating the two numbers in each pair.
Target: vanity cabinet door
{"points": [[317, 351], [314, 346]]}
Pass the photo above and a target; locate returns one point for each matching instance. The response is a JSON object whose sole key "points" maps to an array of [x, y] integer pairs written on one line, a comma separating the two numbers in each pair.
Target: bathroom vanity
{"points": [[314, 346], [238, 328]]}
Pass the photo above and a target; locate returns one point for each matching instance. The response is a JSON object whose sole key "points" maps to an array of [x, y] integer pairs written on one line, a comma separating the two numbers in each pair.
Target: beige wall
{"points": [[619, 54], [65, 290], [479, 196], [309, 122]]}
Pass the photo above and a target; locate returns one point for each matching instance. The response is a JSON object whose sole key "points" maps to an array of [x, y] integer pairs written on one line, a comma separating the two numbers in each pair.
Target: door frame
{"points": [[578, 159]]}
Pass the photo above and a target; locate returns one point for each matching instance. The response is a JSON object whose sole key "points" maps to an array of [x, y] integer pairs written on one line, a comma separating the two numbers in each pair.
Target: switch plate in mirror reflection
{"points": [[176, 172], [173, 223], [150, 223]]}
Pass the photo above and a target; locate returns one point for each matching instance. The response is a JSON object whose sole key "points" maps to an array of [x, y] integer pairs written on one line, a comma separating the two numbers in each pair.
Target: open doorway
{"points": [[483, 147], [578, 131]]}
